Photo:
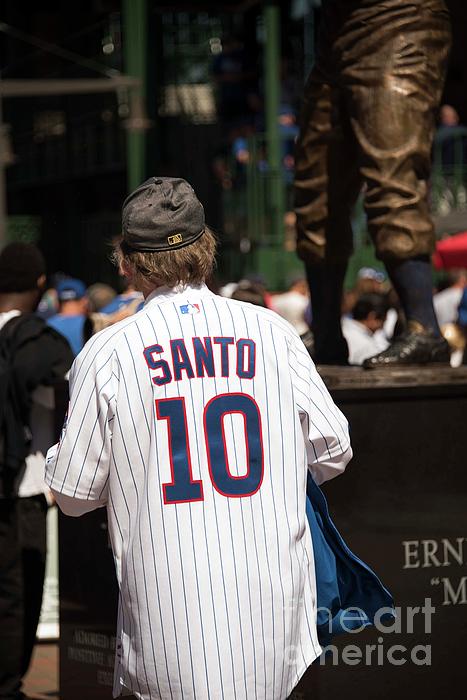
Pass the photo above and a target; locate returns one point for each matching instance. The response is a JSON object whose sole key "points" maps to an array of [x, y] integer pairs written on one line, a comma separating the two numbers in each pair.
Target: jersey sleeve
{"points": [[325, 428], [78, 466]]}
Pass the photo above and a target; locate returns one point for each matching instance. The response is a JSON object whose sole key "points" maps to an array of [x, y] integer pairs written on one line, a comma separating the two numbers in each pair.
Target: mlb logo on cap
{"points": [[189, 308], [176, 238]]}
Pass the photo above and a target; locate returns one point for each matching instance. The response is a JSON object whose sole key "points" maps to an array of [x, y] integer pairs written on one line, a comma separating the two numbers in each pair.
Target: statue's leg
{"points": [[326, 185], [393, 79], [392, 74]]}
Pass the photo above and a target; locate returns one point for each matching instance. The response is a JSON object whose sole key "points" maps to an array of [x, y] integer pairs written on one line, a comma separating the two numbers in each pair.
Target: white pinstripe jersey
{"points": [[194, 421]]}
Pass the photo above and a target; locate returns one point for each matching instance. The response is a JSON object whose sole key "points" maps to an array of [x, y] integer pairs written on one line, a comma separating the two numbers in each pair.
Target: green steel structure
{"points": [[269, 256], [256, 211]]}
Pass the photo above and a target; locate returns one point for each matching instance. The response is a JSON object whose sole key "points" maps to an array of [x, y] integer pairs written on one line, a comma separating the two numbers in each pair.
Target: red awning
{"points": [[451, 252]]}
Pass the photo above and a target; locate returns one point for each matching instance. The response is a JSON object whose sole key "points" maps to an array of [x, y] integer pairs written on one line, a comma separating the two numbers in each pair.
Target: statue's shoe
{"points": [[411, 348]]}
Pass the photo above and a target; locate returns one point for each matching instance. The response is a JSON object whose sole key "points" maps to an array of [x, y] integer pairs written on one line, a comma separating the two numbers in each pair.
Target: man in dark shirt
{"points": [[41, 356]]}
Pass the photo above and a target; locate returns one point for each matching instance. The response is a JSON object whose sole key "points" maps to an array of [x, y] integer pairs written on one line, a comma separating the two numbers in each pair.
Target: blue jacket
{"points": [[71, 327], [343, 581]]}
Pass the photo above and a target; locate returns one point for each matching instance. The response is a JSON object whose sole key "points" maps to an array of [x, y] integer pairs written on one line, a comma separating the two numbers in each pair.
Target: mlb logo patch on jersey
{"points": [[189, 309]]}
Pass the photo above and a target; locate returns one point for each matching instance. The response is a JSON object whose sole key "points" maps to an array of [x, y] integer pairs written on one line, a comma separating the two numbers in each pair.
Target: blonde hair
{"points": [[192, 264]]}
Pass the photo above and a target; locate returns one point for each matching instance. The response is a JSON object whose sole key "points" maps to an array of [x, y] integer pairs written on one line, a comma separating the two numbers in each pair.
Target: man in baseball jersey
{"points": [[195, 423]]}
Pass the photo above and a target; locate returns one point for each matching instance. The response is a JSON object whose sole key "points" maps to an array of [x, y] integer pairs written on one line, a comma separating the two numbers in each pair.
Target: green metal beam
{"points": [[276, 193], [272, 82], [135, 51]]}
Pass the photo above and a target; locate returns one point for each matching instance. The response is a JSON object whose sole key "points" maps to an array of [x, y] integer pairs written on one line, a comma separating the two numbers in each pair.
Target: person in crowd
{"points": [[450, 151], [39, 356], [360, 331], [97, 320], [99, 296], [456, 338], [447, 301], [462, 321], [72, 314], [227, 289], [48, 305], [293, 306], [127, 297], [248, 291], [259, 279], [370, 281], [293, 303], [450, 135], [252, 281], [374, 281], [449, 121]]}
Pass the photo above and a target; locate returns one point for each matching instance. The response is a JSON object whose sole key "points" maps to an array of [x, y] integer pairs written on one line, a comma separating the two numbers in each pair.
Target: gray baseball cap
{"points": [[163, 213]]}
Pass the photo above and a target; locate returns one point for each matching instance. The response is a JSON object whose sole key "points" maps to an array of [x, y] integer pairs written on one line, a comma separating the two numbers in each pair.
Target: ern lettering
{"points": [[217, 356]]}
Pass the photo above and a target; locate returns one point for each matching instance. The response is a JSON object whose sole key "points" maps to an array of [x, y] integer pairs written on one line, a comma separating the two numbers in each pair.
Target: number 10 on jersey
{"points": [[183, 488]]}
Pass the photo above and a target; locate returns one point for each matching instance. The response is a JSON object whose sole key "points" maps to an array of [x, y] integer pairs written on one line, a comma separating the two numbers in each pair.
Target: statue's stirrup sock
{"points": [[326, 282], [412, 280]]}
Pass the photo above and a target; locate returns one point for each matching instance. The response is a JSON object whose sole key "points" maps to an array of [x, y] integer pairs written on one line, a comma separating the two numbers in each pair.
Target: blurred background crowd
{"points": [[371, 315]]}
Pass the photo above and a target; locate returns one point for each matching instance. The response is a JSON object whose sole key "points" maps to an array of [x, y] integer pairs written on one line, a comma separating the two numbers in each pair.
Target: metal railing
{"points": [[449, 174], [252, 238], [248, 207]]}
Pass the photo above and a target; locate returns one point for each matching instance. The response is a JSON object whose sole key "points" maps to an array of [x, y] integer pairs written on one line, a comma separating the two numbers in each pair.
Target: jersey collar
{"points": [[161, 294]]}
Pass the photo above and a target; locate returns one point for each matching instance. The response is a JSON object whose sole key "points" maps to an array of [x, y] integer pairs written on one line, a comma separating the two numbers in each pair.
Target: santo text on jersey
{"points": [[217, 356]]}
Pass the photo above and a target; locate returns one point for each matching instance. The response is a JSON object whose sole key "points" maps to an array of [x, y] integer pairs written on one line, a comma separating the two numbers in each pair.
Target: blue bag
{"points": [[349, 593]]}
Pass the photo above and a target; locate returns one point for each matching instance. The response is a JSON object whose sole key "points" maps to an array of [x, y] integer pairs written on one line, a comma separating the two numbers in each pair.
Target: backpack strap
{"points": [[21, 328], [9, 334], [9, 328]]}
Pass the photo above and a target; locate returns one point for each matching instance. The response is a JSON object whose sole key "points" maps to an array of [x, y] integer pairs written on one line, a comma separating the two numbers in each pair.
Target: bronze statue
{"points": [[368, 120]]}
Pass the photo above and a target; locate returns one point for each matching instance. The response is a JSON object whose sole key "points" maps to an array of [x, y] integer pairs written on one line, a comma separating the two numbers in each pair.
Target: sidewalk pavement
{"points": [[41, 682]]}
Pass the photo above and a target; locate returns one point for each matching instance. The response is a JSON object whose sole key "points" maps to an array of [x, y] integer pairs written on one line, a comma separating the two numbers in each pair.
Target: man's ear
{"points": [[41, 282], [126, 269]]}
